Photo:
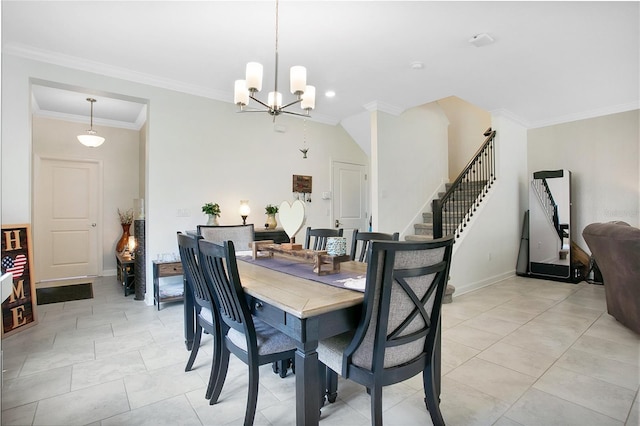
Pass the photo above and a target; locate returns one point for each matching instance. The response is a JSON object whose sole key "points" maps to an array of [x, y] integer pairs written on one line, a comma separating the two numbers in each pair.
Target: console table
{"points": [[276, 235], [171, 293], [125, 272]]}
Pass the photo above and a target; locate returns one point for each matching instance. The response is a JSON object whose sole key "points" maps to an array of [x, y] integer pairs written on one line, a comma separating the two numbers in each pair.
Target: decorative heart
{"points": [[291, 217]]}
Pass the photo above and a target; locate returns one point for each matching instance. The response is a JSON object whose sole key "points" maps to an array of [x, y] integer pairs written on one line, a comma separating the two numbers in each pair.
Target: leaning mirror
{"points": [[550, 224]]}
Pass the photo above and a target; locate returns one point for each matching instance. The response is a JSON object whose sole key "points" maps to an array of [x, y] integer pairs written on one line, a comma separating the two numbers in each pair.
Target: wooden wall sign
{"points": [[19, 309], [302, 184]]}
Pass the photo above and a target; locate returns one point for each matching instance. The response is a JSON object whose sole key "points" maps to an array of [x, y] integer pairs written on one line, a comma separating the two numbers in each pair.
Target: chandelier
{"points": [[246, 89], [90, 139]]}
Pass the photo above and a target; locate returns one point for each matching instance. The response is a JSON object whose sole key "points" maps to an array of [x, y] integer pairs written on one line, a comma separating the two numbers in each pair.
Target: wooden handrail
{"points": [[483, 173]]}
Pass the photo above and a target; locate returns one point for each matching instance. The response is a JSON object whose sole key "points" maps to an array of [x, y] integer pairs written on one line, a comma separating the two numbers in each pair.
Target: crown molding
{"points": [[83, 119], [585, 115], [73, 62], [384, 107]]}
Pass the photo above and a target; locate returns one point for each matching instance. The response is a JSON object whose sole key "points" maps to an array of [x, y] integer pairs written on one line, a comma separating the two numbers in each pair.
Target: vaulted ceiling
{"points": [[550, 62]]}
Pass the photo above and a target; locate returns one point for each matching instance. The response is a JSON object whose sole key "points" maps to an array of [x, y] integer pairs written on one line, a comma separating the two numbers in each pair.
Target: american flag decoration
{"points": [[14, 266]]}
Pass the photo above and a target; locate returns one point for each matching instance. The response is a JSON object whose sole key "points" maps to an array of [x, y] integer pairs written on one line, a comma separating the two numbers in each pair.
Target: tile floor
{"points": [[519, 352]]}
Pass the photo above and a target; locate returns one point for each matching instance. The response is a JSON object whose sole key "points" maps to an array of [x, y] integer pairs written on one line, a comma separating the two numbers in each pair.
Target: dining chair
{"points": [[203, 301], [320, 236], [248, 338], [241, 235], [398, 331], [363, 239]]}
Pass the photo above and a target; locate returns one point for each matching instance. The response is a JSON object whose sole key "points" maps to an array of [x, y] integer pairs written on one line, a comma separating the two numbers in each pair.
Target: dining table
{"points": [[304, 309]]}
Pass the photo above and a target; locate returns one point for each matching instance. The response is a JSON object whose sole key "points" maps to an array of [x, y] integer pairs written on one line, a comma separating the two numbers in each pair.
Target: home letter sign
{"points": [[19, 308]]}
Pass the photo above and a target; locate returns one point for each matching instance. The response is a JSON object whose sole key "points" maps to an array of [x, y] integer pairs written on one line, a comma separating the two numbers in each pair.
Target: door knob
{"points": [[93, 225], [338, 223]]}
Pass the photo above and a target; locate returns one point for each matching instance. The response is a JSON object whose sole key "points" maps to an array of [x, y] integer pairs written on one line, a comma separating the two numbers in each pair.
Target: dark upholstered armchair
{"points": [[615, 247]]}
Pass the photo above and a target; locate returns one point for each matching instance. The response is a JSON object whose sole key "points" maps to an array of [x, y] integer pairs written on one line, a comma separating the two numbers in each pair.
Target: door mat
{"points": [[64, 293]]}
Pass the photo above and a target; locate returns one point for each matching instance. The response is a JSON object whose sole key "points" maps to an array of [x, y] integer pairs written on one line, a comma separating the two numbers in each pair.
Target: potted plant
{"points": [[213, 210], [126, 218], [271, 211]]}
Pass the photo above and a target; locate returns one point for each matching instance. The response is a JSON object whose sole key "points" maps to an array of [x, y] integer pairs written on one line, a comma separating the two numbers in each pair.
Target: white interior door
{"points": [[66, 206], [350, 208]]}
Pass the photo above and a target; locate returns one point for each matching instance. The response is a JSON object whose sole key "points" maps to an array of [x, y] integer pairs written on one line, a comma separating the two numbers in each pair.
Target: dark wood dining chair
{"points": [[204, 303], [251, 340], [398, 331], [320, 236], [241, 235], [363, 240]]}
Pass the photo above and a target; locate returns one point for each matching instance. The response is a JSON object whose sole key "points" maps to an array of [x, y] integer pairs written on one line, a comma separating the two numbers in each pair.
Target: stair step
{"points": [[419, 237], [423, 228], [470, 184]]}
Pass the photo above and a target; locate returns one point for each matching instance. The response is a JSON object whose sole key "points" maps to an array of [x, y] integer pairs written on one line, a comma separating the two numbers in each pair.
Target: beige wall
{"points": [[120, 165], [197, 150], [603, 156], [467, 125], [411, 166]]}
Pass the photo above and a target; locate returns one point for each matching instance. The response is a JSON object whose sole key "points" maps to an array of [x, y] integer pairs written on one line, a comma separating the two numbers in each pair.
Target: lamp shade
{"points": [[254, 76], [244, 208], [308, 98], [90, 140], [241, 94], [274, 100], [298, 80]]}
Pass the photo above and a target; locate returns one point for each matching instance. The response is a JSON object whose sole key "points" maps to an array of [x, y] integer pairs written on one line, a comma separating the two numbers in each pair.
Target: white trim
{"points": [[384, 107], [28, 52], [460, 290]]}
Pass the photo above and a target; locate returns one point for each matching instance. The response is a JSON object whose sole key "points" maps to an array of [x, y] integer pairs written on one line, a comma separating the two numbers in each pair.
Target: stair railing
{"points": [[453, 210]]}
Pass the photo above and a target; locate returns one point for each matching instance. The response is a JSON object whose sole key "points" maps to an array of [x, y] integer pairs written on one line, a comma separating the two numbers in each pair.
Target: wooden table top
{"points": [[298, 296]]}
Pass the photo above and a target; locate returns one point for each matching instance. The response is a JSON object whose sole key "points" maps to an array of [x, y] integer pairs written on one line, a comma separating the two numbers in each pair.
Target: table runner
{"points": [[343, 279]]}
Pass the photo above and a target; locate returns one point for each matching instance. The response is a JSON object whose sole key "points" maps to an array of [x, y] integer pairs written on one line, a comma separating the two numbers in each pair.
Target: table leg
{"points": [[307, 389]]}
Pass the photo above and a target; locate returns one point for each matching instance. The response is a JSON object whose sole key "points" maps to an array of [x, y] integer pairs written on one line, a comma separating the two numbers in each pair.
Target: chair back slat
{"points": [[221, 270], [320, 236], [403, 297], [363, 239], [188, 248]]}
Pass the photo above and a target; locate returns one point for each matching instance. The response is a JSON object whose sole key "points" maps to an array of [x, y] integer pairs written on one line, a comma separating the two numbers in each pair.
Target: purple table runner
{"points": [[343, 279]]}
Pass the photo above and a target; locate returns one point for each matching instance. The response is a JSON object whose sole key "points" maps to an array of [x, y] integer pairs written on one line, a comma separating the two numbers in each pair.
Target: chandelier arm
{"points": [[259, 101], [294, 113], [291, 103], [252, 110]]}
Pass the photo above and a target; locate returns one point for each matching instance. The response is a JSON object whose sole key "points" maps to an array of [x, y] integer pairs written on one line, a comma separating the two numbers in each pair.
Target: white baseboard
{"points": [[462, 289]]}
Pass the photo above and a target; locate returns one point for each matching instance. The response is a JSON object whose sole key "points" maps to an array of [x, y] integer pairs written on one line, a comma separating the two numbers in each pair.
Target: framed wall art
{"points": [[19, 308]]}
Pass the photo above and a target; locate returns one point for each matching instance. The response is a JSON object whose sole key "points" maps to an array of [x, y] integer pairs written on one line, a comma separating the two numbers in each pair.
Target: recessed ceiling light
{"points": [[417, 65], [330, 94]]}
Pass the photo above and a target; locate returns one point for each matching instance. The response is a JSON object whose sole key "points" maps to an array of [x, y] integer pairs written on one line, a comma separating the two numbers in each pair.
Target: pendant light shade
{"points": [[90, 138]]}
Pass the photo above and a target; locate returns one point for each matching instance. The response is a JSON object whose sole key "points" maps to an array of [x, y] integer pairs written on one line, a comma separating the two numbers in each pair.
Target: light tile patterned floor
{"points": [[519, 352]]}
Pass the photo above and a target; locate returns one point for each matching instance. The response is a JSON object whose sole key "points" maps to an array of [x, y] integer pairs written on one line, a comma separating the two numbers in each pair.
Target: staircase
{"points": [[454, 207], [468, 194]]}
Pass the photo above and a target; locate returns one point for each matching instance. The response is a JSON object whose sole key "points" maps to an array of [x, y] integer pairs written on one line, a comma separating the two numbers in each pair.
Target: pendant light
{"points": [[90, 139], [245, 90]]}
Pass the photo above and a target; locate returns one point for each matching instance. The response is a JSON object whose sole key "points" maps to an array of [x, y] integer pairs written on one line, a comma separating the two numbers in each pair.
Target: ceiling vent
{"points": [[480, 40]]}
